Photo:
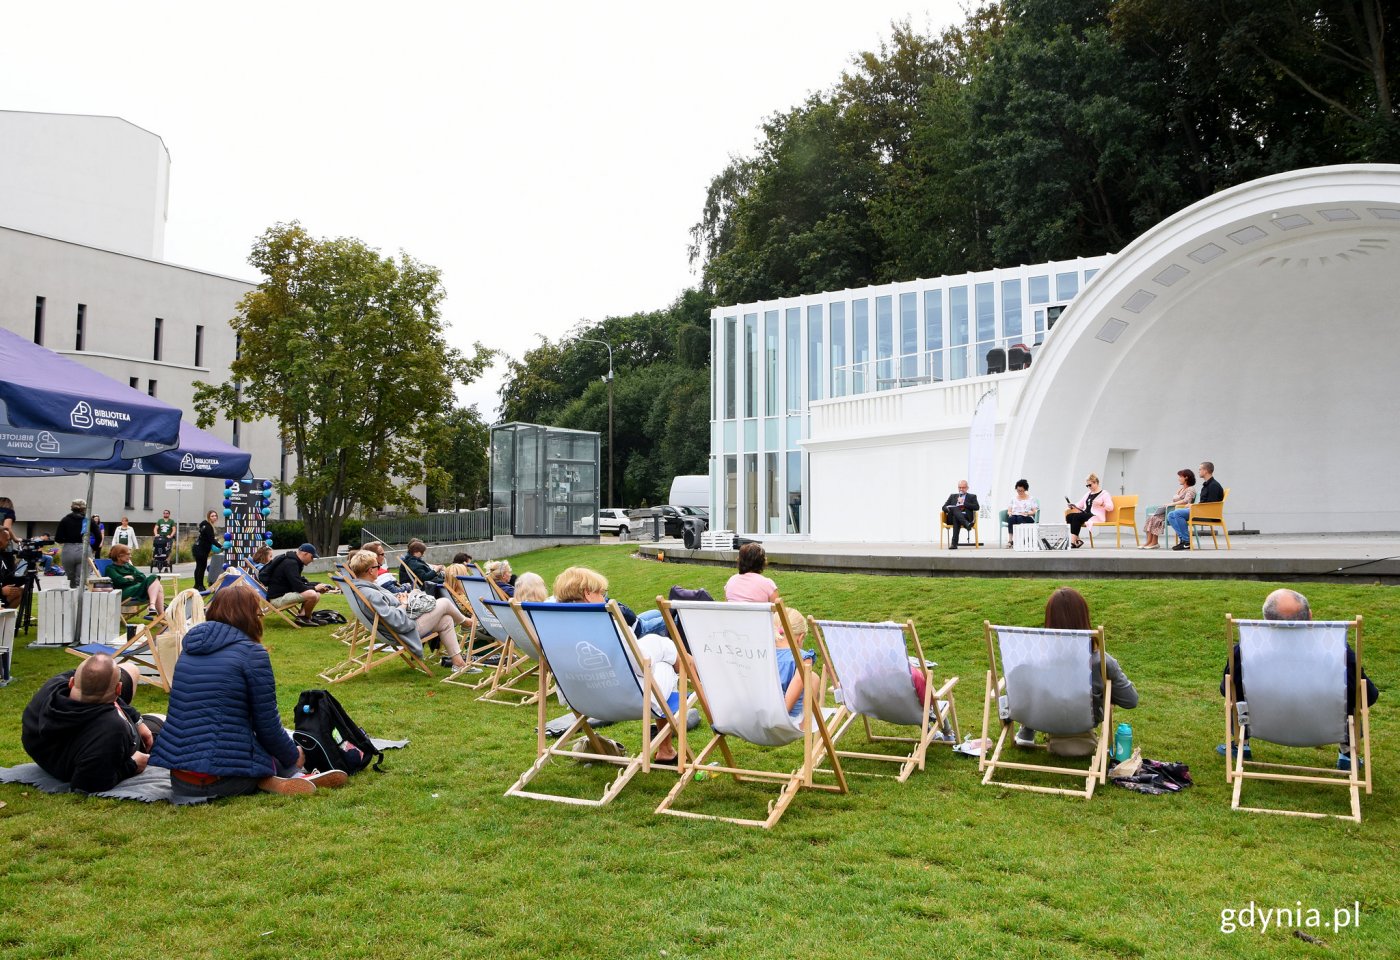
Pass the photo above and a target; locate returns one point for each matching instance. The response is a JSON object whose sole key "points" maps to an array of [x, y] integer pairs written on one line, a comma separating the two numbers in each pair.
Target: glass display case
{"points": [[544, 481]]}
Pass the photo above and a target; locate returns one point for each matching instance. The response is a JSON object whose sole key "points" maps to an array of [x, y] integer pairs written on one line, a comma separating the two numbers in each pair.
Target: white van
{"points": [[692, 491]]}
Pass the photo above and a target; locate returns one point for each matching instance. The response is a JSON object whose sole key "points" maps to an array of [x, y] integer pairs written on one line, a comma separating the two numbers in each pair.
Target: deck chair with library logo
{"points": [[154, 646], [1294, 679], [1046, 683], [870, 674], [602, 676], [377, 644], [488, 645], [731, 661], [234, 575], [515, 679]]}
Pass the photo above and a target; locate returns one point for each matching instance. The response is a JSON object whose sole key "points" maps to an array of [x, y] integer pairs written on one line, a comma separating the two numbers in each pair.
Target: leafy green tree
{"points": [[461, 480], [345, 349]]}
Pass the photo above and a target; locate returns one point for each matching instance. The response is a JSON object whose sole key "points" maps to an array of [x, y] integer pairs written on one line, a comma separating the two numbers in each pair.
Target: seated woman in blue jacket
{"points": [[222, 736]]}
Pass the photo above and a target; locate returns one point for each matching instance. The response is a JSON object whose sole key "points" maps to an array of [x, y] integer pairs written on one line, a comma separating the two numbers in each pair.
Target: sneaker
{"points": [[1344, 762], [1220, 748], [304, 621], [1181, 546], [330, 779], [1022, 740], [287, 786]]}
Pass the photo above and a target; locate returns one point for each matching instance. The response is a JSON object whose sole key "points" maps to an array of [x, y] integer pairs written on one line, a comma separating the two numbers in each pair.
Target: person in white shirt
{"points": [[126, 535]]}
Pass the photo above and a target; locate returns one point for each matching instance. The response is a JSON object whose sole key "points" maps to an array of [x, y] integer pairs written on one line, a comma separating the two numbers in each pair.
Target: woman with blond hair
{"points": [[1092, 508], [442, 619], [498, 572]]}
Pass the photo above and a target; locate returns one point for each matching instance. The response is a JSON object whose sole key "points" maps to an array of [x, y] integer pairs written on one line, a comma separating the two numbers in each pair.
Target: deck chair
{"points": [[1123, 514], [8, 620], [131, 609], [376, 645], [154, 646], [236, 575], [869, 668], [1045, 683], [602, 676], [736, 679], [515, 680], [1294, 676], [1208, 516], [487, 645]]}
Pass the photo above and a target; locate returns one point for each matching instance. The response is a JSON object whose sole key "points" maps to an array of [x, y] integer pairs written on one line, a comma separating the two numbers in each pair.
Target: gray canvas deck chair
{"points": [[601, 675], [154, 646], [1045, 683], [515, 680], [731, 661], [869, 669], [233, 576], [488, 646], [1294, 678], [376, 644], [8, 620]]}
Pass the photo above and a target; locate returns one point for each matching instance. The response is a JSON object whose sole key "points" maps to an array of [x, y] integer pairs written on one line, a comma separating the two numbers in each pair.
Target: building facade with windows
{"points": [[1256, 329], [81, 274]]}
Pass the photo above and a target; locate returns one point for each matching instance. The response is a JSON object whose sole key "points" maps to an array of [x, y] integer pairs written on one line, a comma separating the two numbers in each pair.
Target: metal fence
{"points": [[464, 527]]}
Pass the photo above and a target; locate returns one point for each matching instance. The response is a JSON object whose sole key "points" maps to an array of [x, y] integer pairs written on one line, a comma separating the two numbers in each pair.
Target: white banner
{"points": [[981, 450]]}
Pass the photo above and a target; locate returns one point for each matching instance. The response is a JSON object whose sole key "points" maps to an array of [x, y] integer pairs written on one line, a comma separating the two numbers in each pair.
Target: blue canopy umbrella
{"points": [[199, 455]]}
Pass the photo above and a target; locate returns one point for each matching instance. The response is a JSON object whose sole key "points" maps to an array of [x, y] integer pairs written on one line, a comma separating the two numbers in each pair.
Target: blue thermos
{"points": [[1123, 743]]}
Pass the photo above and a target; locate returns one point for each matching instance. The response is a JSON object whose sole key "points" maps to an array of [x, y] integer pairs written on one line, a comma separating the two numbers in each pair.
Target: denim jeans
{"points": [[1177, 521], [651, 622], [182, 792]]}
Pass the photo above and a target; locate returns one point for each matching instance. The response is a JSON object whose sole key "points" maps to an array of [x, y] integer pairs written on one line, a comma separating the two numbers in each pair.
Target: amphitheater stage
{"points": [[1360, 558]]}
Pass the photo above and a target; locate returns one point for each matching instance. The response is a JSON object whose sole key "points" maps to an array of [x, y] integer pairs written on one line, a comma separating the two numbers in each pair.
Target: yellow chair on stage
{"points": [[1210, 516], [1123, 514]]}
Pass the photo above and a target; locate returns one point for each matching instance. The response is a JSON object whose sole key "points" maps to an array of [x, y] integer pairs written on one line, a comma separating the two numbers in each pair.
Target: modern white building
{"points": [[1257, 329], [82, 226]]}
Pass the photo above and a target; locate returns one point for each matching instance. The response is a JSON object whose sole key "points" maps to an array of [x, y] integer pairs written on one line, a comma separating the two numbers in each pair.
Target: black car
{"points": [[675, 519]]}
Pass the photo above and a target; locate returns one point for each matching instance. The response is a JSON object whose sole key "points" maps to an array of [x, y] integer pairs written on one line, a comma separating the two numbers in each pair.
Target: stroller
{"points": [[160, 555]]}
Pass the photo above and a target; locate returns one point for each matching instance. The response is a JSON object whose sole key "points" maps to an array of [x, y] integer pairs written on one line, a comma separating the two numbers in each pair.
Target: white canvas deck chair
{"points": [[154, 646], [376, 644], [515, 680], [488, 645], [1045, 683], [238, 576], [1294, 678], [869, 670], [601, 675], [732, 664], [8, 620]]}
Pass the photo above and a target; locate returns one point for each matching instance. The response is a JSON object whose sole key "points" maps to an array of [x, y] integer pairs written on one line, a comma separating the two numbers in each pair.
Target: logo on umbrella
{"points": [[81, 417], [187, 463], [45, 442]]}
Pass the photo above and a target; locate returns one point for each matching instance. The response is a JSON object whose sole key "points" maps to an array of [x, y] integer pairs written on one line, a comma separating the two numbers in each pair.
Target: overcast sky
{"points": [[549, 157]]}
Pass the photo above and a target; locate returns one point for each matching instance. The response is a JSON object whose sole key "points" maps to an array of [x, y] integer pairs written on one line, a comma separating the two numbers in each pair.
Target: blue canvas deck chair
{"points": [[154, 646], [602, 675], [1046, 683], [376, 644], [488, 645], [869, 671], [234, 575], [133, 608], [731, 661], [515, 679], [1295, 685]]}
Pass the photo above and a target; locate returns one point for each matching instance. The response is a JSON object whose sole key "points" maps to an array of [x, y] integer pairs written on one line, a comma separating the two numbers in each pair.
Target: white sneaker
{"points": [[1024, 741]]}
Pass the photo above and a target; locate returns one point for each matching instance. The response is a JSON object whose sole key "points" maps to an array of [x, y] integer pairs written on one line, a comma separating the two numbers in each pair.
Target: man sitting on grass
{"points": [[81, 728], [1291, 605], [286, 587]]}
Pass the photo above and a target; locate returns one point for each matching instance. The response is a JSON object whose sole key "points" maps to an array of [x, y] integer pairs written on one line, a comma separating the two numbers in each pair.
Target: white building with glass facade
{"points": [[1257, 329]]}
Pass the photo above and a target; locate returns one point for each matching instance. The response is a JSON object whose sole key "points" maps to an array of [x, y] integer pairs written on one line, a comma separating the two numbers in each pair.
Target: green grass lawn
{"points": [[428, 859]]}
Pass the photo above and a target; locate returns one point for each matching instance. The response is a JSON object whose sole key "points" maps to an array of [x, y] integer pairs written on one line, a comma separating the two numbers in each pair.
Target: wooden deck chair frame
{"points": [[996, 684], [513, 681], [232, 575], [154, 645], [487, 656], [944, 526], [1209, 516], [938, 701], [1123, 514], [655, 729], [370, 648], [816, 738], [1238, 769]]}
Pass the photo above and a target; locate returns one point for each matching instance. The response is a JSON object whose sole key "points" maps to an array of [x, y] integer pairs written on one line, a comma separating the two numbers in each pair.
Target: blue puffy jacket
{"points": [[223, 708]]}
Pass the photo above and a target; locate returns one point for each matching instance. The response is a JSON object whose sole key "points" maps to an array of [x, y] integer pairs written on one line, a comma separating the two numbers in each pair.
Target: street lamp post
{"points": [[609, 379]]}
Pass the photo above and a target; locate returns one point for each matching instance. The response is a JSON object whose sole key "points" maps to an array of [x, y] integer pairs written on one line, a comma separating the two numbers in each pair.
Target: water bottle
{"points": [[1123, 742]]}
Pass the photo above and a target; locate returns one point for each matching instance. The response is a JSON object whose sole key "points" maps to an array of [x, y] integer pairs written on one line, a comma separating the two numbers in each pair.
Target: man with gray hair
{"points": [[81, 728], [1285, 604], [69, 535]]}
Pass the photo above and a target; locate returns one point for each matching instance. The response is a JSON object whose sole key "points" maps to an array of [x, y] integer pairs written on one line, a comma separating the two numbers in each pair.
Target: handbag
{"points": [[419, 603]]}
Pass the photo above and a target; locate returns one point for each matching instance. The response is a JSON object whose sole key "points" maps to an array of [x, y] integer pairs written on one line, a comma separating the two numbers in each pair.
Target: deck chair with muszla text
{"points": [[154, 646], [376, 644], [733, 665], [602, 676], [871, 678], [1046, 683], [1294, 679]]}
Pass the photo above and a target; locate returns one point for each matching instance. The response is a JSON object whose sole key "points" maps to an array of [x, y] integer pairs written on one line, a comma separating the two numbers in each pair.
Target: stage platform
{"points": [[1366, 558]]}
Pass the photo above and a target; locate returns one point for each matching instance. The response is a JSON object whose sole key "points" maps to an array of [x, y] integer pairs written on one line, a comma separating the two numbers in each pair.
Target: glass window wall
{"points": [[908, 337], [860, 345], [957, 321], [815, 376], [750, 364], [1040, 289], [770, 363], [884, 343], [795, 520], [1011, 311], [933, 332], [774, 502], [1066, 286], [794, 360], [731, 366], [985, 298], [750, 493], [839, 375]]}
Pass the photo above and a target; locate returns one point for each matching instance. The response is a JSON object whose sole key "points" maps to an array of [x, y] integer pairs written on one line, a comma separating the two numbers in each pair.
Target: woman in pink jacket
{"points": [[1092, 508]]}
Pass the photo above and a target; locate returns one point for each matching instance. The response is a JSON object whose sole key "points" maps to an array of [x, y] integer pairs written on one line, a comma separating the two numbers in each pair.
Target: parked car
{"points": [[610, 520], [675, 519]]}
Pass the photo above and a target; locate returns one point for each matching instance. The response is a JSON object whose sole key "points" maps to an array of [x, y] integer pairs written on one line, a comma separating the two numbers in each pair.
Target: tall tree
{"points": [[462, 462], [344, 348]]}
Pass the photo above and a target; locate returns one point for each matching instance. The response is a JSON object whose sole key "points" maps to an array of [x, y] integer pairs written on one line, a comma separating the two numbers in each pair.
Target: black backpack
{"points": [[329, 738]]}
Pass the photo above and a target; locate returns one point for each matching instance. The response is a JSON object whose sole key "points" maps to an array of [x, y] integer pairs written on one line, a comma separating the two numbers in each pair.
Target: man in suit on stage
{"points": [[959, 511]]}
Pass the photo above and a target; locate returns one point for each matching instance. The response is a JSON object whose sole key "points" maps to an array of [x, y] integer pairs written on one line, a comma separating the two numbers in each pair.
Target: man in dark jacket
{"points": [[81, 728], [1211, 492], [960, 511], [286, 587]]}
